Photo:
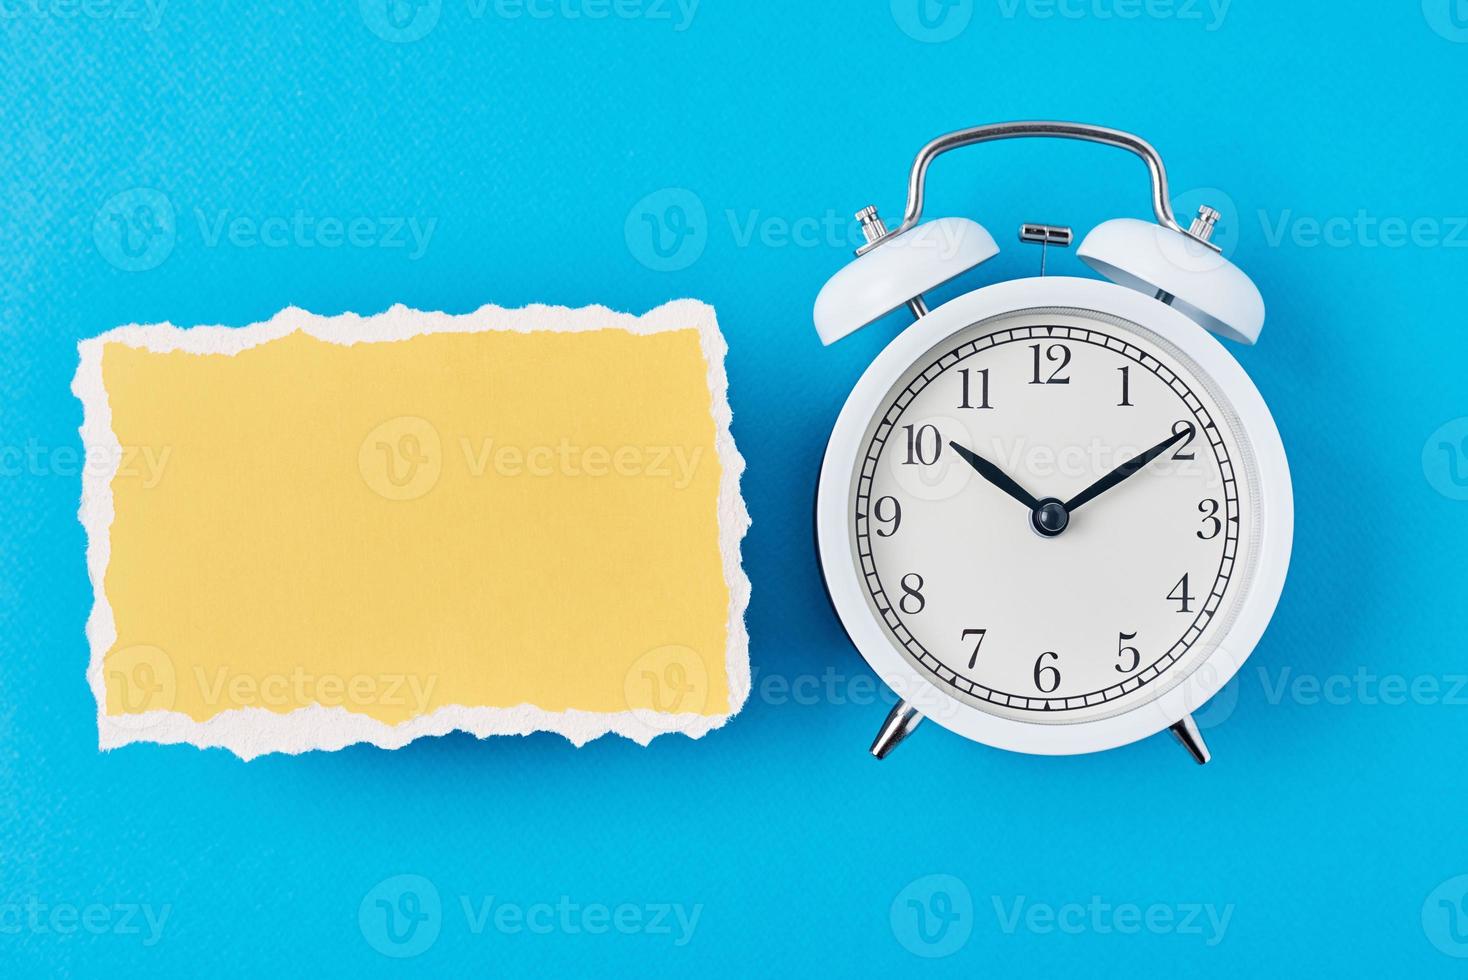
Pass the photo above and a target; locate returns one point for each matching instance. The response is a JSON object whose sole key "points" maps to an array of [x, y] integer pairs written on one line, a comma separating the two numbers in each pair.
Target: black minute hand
{"points": [[996, 476], [1126, 469]]}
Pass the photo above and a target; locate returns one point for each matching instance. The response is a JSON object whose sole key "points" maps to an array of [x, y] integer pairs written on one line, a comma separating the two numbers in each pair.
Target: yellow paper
{"points": [[324, 531]]}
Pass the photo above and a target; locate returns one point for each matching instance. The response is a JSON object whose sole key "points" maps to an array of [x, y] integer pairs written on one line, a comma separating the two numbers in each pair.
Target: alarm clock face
{"points": [[998, 557]]}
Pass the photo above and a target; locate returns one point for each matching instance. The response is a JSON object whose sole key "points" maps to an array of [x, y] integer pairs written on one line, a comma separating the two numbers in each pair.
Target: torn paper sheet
{"points": [[325, 530]]}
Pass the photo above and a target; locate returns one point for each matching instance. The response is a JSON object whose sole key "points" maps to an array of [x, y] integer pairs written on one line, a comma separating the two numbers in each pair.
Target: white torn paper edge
{"points": [[250, 732]]}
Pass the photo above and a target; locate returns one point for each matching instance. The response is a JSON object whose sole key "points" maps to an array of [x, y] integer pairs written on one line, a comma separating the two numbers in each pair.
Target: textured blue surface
{"points": [[528, 151]]}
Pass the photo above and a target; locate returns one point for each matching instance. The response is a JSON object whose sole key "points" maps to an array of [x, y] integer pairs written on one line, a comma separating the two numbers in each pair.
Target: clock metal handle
{"points": [[917, 181]]}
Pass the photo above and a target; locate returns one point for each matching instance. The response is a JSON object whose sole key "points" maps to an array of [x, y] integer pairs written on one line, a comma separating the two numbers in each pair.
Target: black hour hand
{"points": [[996, 476]]}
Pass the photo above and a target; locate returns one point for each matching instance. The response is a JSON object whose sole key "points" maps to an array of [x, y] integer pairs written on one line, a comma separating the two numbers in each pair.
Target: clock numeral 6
{"points": [[980, 634], [1047, 675], [924, 444], [1123, 651], [1209, 509], [1181, 595], [1057, 354], [912, 601], [887, 511]]}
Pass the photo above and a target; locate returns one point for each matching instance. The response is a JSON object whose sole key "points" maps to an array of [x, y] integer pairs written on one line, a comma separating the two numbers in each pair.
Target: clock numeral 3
{"points": [[1057, 354], [924, 444], [1181, 595], [1209, 509], [967, 401], [1047, 675], [891, 515], [1123, 651], [980, 634], [912, 601]]}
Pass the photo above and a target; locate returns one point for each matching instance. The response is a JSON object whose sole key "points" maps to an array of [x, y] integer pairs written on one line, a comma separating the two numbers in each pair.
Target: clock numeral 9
{"points": [[924, 444], [1123, 651], [912, 601], [1047, 675], [1209, 509], [1181, 595], [1188, 427], [1057, 354], [888, 511], [967, 401], [980, 634]]}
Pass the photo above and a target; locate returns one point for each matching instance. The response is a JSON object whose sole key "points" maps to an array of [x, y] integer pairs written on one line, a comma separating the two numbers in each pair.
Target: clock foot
{"points": [[901, 720], [1187, 734]]}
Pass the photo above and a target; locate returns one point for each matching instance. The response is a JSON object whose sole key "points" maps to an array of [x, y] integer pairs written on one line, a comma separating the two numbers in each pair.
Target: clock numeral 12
{"points": [[1055, 353], [967, 401]]}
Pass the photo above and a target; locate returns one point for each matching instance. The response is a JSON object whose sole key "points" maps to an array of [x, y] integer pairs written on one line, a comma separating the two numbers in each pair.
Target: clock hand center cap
{"points": [[1050, 518]]}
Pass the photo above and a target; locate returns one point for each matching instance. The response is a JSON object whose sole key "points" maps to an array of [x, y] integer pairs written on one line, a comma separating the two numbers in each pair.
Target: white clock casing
{"points": [[1216, 657]]}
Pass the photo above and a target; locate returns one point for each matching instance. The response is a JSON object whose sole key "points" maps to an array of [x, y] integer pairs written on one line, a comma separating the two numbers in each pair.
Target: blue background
{"points": [[545, 150]]}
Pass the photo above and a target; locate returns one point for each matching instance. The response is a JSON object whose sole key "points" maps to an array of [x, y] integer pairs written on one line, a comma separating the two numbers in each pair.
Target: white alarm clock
{"points": [[1055, 514]]}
